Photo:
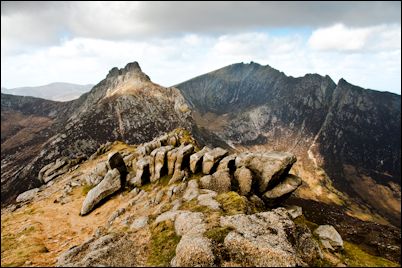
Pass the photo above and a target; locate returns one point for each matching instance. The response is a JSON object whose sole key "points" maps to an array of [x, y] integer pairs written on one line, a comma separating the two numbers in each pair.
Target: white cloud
{"points": [[341, 38], [168, 61], [42, 22], [338, 37]]}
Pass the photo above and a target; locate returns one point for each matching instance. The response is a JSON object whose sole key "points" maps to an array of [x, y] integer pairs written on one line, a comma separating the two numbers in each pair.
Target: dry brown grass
{"points": [[56, 227]]}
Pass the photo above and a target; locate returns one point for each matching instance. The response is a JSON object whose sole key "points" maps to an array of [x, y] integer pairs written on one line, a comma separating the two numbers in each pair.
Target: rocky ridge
{"points": [[347, 138], [269, 178], [184, 187], [165, 222]]}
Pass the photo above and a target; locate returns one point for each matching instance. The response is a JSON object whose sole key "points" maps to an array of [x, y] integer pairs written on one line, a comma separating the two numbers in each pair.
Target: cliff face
{"points": [[125, 106], [363, 129], [353, 134]]}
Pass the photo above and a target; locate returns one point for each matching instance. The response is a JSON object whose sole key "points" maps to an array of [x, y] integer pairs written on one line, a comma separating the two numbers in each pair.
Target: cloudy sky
{"points": [[78, 42]]}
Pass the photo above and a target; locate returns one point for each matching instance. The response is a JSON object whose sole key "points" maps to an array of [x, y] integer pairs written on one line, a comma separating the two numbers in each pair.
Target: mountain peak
{"points": [[130, 80], [131, 70], [132, 66], [342, 81]]}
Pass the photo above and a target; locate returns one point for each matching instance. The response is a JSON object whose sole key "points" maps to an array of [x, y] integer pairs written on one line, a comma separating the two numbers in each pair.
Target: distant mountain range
{"points": [[55, 91]]}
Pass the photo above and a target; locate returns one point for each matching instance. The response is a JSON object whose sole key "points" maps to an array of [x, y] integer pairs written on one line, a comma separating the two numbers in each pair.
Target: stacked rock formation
{"points": [[265, 174]]}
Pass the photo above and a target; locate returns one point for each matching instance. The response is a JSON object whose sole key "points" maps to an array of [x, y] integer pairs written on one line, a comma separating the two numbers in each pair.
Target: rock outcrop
{"points": [[28, 195], [196, 160], [182, 161], [143, 175], [97, 175], [211, 158], [329, 237], [109, 185], [268, 167], [59, 167], [220, 181], [152, 160], [115, 161], [244, 179], [284, 188], [160, 162], [261, 239], [267, 170]]}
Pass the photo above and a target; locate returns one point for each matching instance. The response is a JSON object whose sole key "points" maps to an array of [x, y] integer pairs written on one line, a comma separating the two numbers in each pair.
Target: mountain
{"points": [[344, 136], [125, 106], [55, 91], [77, 156]]}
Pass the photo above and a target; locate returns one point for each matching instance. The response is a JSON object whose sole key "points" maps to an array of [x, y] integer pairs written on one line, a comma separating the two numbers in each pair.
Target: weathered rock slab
{"points": [[260, 239], [28, 195], [329, 237], [211, 158], [109, 185], [244, 179], [266, 166], [196, 160]]}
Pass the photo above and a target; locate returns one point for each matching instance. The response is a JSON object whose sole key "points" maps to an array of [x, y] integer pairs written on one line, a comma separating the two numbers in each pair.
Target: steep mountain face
{"points": [[341, 133], [54, 91], [125, 106], [26, 125]]}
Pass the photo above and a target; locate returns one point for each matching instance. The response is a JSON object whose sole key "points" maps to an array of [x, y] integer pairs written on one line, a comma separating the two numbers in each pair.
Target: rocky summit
{"points": [[125, 106]]}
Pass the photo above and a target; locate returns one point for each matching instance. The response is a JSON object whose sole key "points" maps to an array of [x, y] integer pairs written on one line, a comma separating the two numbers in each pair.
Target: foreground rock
{"points": [[218, 182], [109, 185], [28, 195], [329, 237], [261, 239], [196, 160], [211, 158], [182, 161], [267, 166], [244, 179], [193, 251], [307, 248], [115, 160], [282, 190], [294, 211], [142, 172], [103, 250]]}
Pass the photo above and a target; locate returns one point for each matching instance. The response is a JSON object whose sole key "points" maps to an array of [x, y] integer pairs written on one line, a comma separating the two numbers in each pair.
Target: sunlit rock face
{"points": [[125, 106]]}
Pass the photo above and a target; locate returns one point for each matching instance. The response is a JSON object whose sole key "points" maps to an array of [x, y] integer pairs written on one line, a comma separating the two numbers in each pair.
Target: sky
{"points": [[79, 42]]}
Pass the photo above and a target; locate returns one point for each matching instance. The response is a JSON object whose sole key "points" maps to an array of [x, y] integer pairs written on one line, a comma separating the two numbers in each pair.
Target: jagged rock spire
{"points": [[132, 69]]}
